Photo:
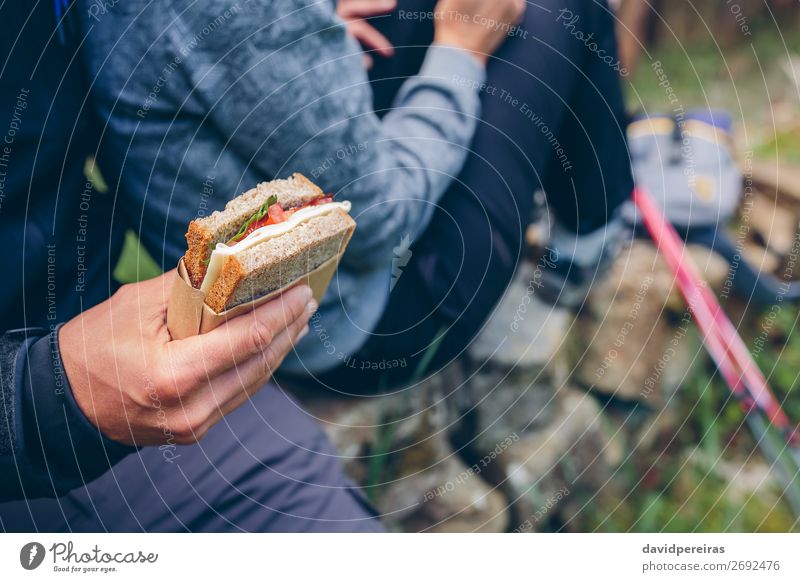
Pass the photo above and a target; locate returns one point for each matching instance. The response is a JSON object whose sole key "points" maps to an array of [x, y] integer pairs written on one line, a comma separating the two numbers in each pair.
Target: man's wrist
{"points": [[455, 43], [456, 65], [57, 431]]}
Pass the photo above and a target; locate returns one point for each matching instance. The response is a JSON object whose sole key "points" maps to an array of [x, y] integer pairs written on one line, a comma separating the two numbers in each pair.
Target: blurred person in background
{"points": [[552, 119], [468, 108]]}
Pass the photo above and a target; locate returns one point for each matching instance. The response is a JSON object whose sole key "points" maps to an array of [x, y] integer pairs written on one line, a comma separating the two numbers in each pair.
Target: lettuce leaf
{"points": [[258, 215]]}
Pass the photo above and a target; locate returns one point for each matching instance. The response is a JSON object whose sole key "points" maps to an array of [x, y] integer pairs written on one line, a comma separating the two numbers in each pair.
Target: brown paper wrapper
{"points": [[188, 315]]}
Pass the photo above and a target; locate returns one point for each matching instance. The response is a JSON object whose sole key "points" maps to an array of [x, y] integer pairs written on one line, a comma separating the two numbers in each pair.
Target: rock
{"points": [[397, 448], [351, 424], [446, 496], [510, 400], [357, 427], [576, 451], [577, 421], [746, 476], [713, 268], [518, 360], [622, 333], [631, 340]]}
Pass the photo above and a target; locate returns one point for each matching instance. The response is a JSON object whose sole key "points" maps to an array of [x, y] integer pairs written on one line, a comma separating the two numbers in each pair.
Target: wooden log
{"points": [[779, 181]]}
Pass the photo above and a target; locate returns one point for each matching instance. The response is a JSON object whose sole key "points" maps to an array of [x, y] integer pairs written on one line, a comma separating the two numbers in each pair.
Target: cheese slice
{"points": [[260, 235]]}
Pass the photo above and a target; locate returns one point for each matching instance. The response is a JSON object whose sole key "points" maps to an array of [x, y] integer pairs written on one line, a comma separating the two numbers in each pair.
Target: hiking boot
{"points": [[571, 263]]}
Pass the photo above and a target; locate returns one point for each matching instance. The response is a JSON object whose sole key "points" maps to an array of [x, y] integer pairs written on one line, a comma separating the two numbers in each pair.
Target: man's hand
{"points": [[353, 12], [140, 387], [477, 26]]}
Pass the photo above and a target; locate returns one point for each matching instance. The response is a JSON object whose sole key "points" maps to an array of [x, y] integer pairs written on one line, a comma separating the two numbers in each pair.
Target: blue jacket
{"points": [[59, 246]]}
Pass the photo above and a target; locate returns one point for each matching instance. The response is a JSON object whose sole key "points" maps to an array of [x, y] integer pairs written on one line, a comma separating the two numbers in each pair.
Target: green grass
{"points": [[684, 489], [783, 144]]}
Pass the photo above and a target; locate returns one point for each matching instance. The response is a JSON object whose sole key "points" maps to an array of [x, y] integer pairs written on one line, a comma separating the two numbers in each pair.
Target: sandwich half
{"points": [[265, 239]]}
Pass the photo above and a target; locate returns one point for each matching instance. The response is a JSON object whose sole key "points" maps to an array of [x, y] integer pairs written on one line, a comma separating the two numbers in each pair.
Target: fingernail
{"points": [[308, 294], [311, 306], [303, 333]]}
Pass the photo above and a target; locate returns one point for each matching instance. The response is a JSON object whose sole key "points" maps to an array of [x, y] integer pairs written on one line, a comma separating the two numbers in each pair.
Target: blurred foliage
{"points": [[688, 485], [784, 143], [135, 263], [780, 361], [687, 491], [752, 79]]}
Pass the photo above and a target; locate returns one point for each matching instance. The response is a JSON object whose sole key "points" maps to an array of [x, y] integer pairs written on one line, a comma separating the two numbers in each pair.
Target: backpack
{"points": [[687, 166]]}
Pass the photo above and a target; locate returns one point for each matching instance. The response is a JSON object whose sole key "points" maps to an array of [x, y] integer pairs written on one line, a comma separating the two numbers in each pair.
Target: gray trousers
{"points": [[266, 467]]}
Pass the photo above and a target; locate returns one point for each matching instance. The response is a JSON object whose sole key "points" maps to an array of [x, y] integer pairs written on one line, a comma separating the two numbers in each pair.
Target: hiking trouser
{"points": [[265, 467]]}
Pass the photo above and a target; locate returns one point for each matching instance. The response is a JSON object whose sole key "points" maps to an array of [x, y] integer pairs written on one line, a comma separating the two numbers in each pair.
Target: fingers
{"points": [[370, 38], [239, 338], [244, 379], [232, 388], [364, 8]]}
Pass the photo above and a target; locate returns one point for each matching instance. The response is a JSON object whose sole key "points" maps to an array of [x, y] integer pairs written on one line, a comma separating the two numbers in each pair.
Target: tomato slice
{"points": [[276, 214], [266, 221]]}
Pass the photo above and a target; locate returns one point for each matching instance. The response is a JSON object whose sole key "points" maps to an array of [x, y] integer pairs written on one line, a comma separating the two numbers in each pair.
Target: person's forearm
{"points": [[422, 146], [47, 446]]}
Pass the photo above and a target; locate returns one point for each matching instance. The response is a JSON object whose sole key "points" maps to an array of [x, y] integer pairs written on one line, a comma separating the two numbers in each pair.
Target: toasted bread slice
{"points": [[220, 226], [275, 263]]}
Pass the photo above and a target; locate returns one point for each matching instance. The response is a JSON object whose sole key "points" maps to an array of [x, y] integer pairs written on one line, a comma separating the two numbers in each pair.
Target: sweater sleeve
{"points": [[47, 445], [286, 85]]}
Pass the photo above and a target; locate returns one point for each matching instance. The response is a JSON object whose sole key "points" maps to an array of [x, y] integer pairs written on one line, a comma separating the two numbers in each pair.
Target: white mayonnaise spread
{"points": [[263, 234]]}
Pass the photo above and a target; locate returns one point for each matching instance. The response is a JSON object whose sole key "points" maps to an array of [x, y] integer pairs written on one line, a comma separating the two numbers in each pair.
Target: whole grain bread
{"points": [[277, 262], [220, 226]]}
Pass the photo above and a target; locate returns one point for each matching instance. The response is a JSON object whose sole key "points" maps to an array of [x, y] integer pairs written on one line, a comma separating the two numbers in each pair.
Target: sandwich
{"points": [[264, 240]]}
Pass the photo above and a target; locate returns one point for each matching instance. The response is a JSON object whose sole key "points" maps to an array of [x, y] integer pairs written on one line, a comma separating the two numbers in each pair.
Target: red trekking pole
{"points": [[729, 352]]}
